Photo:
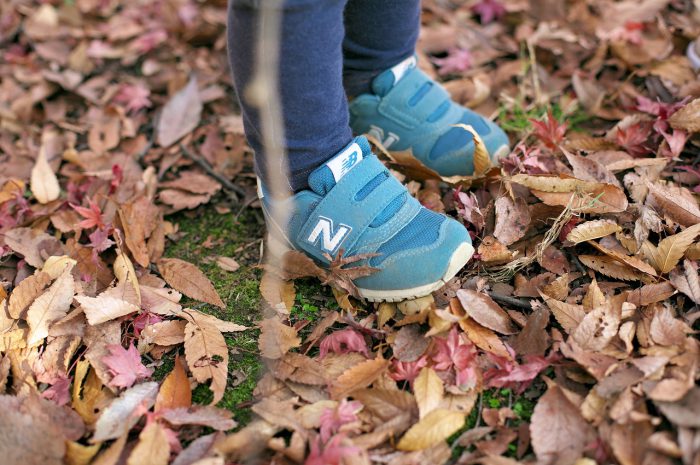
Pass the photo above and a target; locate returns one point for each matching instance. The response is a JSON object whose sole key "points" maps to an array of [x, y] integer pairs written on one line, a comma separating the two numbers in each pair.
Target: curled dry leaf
{"points": [[206, 353], [559, 432], [685, 280], [485, 311], [276, 338], [592, 230], [434, 428], [44, 183], [188, 279], [123, 413], [357, 377], [50, 306], [180, 115], [687, 118]]}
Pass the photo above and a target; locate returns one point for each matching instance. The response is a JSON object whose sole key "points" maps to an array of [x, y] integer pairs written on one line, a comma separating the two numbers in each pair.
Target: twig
{"points": [[512, 301], [228, 185]]}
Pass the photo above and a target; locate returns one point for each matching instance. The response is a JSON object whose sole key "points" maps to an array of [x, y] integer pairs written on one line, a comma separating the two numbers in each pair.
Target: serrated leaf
{"points": [[687, 281], [628, 260], [687, 118], [436, 427], [428, 390], [188, 279], [597, 328], [553, 183], [206, 353], [610, 267], [670, 250], [358, 376], [568, 315], [592, 230]]}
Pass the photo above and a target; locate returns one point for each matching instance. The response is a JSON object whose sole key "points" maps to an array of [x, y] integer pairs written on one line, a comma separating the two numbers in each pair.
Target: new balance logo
{"points": [[330, 241], [378, 133], [344, 161]]}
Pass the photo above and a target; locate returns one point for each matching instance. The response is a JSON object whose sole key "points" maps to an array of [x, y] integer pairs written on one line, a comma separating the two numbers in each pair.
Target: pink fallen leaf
{"points": [[489, 10], [331, 453], [334, 419], [125, 366], [407, 371], [342, 342], [92, 215], [549, 131], [456, 61], [453, 353], [133, 97]]}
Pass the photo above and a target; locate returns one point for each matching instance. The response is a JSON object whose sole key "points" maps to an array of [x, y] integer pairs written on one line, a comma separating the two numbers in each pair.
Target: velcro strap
{"points": [[340, 218], [395, 104]]}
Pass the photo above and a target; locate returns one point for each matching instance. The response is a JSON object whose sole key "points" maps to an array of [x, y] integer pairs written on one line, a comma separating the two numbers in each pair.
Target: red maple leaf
{"points": [[453, 353], [676, 141], [334, 419], [549, 131], [125, 365], [342, 342], [634, 138], [489, 10], [331, 453], [407, 371], [133, 97], [510, 374], [456, 61], [92, 215], [59, 391]]}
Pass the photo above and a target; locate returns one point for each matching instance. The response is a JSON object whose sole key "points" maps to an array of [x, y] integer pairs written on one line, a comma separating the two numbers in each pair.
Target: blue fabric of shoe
{"points": [[409, 110], [356, 205]]}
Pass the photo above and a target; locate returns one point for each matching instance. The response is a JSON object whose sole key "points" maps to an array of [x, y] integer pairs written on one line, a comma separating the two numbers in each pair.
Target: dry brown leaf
{"points": [[428, 390], [559, 432], [666, 256], [180, 115], [175, 391], [512, 219], [482, 158], [280, 294], [592, 230], [685, 280], [126, 274], [25, 293], [43, 182], [666, 330], [153, 447], [610, 267], [434, 428], [33, 244], [276, 338], [674, 202], [601, 198], [483, 338], [628, 260], [104, 307], [597, 328], [124, 412], [533, 339], [227, 263], [650, 293], [357, 377], [188, 279], [50, 306], [553, 183], [485, 311], [206, 353], [687, 118], [165, 333], [138, 219], [569, 316]]}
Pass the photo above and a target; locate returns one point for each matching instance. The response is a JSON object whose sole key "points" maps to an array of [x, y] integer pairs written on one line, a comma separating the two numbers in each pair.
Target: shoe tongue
{"points": [[325, 177], [383, 83]]}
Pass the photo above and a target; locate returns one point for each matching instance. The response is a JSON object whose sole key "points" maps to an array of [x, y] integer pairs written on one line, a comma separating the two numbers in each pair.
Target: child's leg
{"points": [[314, 105], [379, 34]]}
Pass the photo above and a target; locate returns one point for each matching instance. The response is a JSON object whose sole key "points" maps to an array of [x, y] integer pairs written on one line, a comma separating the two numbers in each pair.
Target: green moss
{"points": [[517, 119], [203, 237]]}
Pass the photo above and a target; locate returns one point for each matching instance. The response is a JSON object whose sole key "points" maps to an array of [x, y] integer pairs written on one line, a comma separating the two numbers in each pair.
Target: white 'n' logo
{"points": [[324, 230]]}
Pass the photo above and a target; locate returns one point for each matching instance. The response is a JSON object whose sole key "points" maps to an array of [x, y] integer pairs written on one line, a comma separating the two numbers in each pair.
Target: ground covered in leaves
{"points": [[138, 325]]}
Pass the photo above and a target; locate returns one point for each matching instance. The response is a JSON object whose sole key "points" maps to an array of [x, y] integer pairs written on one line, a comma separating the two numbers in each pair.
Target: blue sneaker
{"points": [[356, 205], [409, 110]]}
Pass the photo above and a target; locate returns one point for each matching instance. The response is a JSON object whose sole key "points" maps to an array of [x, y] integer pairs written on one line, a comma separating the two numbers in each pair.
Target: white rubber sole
{"points": [[502, 152], [459, 258]]}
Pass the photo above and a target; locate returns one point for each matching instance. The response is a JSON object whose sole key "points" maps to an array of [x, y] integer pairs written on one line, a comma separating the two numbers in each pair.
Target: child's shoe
{"points": [[408, 110], [356, 205]]}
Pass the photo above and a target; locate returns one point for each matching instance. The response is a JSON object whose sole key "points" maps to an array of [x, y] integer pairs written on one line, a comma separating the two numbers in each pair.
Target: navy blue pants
{"points": [[330, 49]]}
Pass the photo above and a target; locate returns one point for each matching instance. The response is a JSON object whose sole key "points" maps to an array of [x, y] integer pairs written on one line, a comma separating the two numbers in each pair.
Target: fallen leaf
{"points": [[24, 294], [485, 311], [687, 117], [180, 115], [33, 244], [175, 392], [592, 230], [559, 432], [209, 416], [43, 182], [674, 202], [685, 280], [512, 219], [104, 307], [569, 316], [206, 353], [152, 448], [597, 328], [666, 256], [434, 428], [121, 415], [227, 264], [358, 377], [50, 306], [188, 279], [610, 267], [276, 338], [428, 390], [125, 366]]}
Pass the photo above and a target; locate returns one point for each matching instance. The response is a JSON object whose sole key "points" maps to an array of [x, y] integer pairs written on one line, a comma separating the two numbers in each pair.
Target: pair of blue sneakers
{"points": [[354, 204]]}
